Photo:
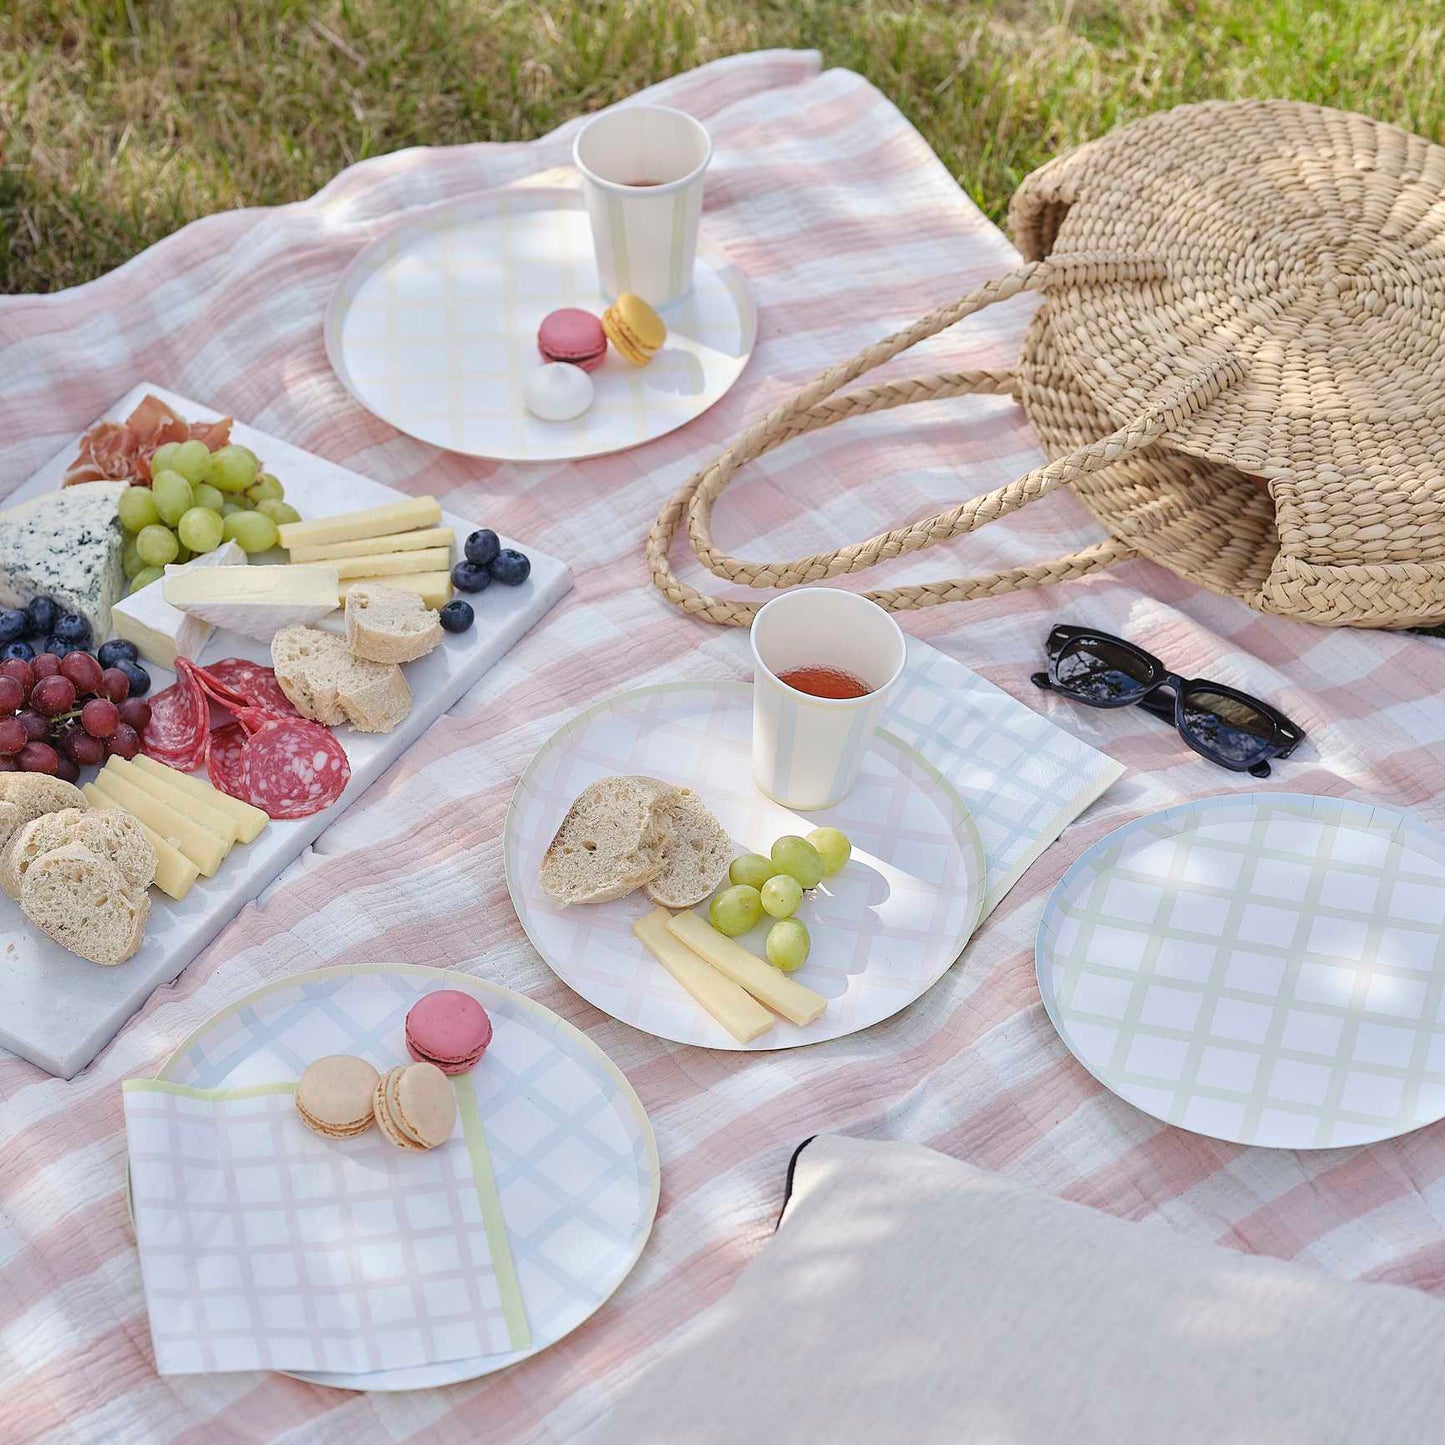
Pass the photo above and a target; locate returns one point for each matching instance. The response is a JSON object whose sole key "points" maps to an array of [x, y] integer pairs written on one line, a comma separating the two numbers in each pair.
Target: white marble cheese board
{"points": [[61, 1010]]}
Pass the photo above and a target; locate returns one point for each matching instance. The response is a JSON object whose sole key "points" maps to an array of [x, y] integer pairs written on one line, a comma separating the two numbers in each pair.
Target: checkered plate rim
{"points": [[1172, 822]]}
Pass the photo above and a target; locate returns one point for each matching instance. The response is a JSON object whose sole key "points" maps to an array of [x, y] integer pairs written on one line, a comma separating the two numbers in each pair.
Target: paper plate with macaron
{"points": [[484, 326], [383, 1177]]}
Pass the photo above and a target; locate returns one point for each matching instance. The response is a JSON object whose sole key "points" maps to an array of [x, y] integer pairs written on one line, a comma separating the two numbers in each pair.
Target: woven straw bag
{"points": [[1239, 368]]}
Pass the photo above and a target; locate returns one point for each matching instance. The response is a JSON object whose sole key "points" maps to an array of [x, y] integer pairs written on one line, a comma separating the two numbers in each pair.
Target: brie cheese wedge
{"points": [[257, 602], [162, 632]]}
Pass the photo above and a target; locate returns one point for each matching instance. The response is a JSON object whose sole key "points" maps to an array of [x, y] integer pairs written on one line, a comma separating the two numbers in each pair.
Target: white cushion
{"points": [[908, 1297]]}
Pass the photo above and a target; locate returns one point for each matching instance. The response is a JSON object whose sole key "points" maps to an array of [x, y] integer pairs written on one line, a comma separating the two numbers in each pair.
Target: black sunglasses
{"points": [[1224, 725]]}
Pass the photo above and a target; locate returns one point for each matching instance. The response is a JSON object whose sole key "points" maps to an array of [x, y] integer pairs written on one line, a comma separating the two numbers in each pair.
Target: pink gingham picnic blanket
{"points": [[847, 227]]}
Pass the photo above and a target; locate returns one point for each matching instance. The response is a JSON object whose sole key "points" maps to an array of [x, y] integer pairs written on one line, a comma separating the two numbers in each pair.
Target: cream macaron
{"points": [[334, 1096], [415, 1106]]}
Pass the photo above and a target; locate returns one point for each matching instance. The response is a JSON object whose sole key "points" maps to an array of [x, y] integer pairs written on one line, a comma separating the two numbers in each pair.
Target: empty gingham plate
{"points": [[884, 930], [572, 1152], [1266, 968]]}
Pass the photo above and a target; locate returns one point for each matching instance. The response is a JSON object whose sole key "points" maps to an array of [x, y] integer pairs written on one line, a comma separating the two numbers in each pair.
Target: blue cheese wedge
{"points": [[255, 601], [65, 545], [162, 632]]}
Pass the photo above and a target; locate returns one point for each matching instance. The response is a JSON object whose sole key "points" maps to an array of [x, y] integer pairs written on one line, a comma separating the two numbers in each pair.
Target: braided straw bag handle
{"points": [[817, 405]]}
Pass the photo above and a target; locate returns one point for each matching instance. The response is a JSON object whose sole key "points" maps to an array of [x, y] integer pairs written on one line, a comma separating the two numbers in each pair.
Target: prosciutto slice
{"points": [[121, 451]]}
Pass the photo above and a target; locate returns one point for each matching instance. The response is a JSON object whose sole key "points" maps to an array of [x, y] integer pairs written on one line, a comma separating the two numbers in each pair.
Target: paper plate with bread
{"points": [[661, 884], [211, 642]]}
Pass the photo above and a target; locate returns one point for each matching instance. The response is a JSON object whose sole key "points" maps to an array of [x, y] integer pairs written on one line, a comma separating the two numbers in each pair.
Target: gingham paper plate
{"points": [[434, 328], [884, 930], [572, 1152], [1266, 968]]}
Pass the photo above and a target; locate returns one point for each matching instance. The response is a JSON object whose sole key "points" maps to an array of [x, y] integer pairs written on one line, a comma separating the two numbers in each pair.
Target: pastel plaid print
{"points": [[562, 1156], [1265, 969], [264, 1246]]}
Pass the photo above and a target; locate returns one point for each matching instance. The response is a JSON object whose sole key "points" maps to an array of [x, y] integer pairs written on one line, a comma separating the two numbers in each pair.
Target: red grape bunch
{"points": [[61, 714]]}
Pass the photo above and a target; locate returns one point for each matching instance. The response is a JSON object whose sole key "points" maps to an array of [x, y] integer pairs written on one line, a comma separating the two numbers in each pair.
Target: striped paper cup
{"points": [[807, 750], [642, 175]]}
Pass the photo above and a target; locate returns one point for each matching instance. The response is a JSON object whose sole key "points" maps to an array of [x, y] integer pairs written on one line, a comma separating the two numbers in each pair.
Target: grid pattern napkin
{"points": [[265, 1246], [1024, 779]]}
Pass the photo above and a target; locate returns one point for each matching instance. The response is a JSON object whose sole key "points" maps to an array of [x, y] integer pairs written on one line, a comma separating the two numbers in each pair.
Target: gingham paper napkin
{"points": [[264, 1246], [1024, 779]]}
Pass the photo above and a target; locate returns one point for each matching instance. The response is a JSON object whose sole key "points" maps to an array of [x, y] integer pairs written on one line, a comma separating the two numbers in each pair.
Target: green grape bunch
{"points": [[199, 500]]}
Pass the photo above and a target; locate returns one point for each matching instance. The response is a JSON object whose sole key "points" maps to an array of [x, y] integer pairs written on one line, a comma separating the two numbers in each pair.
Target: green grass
{"points": [[124, 119]]}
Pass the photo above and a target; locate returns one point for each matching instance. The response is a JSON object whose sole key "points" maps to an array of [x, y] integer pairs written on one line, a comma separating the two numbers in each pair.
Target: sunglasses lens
{"points": [[1233, 730], [1102, 671]]}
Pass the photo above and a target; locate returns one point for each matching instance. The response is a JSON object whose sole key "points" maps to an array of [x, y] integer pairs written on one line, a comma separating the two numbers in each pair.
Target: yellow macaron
{"points": [[634, 328]]}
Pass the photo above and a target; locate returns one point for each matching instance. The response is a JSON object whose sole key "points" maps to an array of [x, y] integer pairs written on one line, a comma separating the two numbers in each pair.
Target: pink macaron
{"points": [[449, 1029], [573, 336]]}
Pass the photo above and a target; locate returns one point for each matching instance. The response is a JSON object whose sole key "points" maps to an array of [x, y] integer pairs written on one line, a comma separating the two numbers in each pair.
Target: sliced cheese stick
{"points": [[212, 819], [434, 588], [391, 564], [797, 1003], [249, 821], [741, 1015], [174, 871], [376, 546], [372, 522], [198, 843]]}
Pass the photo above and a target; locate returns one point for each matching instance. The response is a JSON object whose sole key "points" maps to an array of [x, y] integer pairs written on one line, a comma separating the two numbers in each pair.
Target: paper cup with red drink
{"points": [[824, 664]]}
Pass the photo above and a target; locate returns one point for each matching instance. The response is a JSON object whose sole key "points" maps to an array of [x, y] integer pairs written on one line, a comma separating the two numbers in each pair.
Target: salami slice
{"points": [[226, 761], [255, 684], [212, 686], [178, 732], [293, 767]]}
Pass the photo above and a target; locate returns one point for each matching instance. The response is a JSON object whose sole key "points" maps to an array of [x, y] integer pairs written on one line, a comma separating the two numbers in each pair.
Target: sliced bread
{"points": [[385, 624], [24, 796], [84, 903], [327, 684], [12, 819], [112, 833], [30, 840], [611, 842], [697, 858], [107, 832], [37, 793]]}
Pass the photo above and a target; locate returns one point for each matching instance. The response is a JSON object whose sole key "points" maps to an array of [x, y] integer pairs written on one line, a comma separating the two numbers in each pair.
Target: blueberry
{"points": [[22, 650], [74, 629], [510, 567], [482, 547], [457, 616], [13, 623], [469, 577], [115, 651], [140, 679], [59, 646], [41, 616]]}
